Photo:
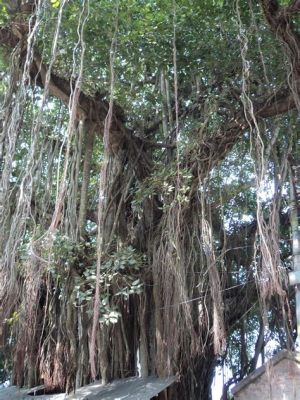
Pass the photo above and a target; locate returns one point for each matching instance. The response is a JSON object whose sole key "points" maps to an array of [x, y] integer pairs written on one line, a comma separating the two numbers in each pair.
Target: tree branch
{"points": [[212, 149], [281, 24]]}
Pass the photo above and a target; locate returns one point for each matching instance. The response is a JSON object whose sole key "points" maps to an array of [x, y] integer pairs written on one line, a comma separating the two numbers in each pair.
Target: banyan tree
{"points": [[149, 189]]}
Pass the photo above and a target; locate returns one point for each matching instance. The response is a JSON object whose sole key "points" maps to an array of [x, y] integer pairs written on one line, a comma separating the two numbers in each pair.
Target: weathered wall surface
{"points": [[279, 382]]}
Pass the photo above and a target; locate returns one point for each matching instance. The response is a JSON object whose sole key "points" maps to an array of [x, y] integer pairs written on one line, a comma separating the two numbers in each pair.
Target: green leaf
{"points": [[55, 3]]}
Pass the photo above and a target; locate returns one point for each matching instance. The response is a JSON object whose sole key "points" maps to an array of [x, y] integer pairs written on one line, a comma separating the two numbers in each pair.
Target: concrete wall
{"points": [[278, 382]]}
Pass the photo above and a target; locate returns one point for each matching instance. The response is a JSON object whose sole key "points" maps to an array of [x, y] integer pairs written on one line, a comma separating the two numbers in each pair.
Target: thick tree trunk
{"points": [[196, 382]]}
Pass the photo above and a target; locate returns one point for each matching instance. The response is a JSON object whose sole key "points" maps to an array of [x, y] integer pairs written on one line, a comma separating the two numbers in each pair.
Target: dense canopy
{"points": [[149, 189]]}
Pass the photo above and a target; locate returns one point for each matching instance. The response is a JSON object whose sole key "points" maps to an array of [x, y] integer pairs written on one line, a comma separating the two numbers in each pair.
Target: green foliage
{"points": [[119, 279], [13, 319], [4, 17], [124, 259], [66, 254], [119, 276], [167, 182], [109, 316], [55, 3]]}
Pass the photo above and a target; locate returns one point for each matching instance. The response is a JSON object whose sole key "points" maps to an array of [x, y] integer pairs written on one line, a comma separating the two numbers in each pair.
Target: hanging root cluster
{"points": [[269, 164]]}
